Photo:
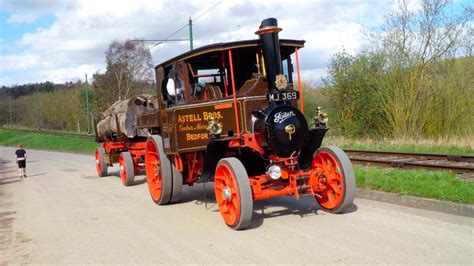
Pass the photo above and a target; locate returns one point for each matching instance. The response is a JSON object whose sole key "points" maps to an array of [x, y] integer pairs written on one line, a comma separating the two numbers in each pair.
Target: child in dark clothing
{"points": [[20, 156]]}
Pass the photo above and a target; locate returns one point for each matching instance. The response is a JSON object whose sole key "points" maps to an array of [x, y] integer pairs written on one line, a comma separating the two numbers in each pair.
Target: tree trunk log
{"points": [[121, 117]]}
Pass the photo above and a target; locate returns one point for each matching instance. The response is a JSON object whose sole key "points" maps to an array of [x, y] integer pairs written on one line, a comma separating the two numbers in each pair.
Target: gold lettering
{"points": [[209, 115], [197, 136]]}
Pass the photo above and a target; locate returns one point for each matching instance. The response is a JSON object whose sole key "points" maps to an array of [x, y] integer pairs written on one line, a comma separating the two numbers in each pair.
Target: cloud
{"points": [[28, 11], [82, 30]]}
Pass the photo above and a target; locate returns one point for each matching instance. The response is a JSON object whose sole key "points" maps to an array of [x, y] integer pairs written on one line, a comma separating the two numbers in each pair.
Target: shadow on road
{"points": [[11, 181], [9, 177], [37, 174], [303, 207], [139, 179], [286, 205], [6, 172], [2, 161]]}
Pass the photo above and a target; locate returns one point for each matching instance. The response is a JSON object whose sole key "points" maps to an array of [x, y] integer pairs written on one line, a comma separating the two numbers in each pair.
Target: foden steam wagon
{"points": [[228, 113]]}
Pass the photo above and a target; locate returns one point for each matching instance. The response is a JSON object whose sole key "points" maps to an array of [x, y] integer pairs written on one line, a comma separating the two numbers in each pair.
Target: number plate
{"points": [[283, 96]]}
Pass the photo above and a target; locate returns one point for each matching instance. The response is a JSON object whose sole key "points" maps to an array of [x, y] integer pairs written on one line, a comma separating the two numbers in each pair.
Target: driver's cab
{"points": [[207, 77], [194, 81]]}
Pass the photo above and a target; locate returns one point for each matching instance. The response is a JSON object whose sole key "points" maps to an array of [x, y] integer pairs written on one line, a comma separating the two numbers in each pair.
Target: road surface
{"points": [[64, 213]]}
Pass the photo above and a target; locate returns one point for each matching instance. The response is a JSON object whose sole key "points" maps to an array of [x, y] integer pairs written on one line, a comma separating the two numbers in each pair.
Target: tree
{"points": [[128, 72], [128, 63], [408, 82], [413, 41]]}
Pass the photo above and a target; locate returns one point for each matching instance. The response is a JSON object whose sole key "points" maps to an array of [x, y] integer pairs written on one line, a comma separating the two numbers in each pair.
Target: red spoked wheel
{"points": [[127, 172], [100, 164], [158, 171], [336, 179], [233, 193]]}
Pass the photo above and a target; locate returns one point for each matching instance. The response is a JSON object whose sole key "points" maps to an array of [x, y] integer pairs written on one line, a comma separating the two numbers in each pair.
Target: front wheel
{"points": [[336, 187], [233, 193]]}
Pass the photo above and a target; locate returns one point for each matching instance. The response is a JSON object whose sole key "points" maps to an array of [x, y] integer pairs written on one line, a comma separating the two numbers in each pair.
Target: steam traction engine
{"points": [[228, 113]]}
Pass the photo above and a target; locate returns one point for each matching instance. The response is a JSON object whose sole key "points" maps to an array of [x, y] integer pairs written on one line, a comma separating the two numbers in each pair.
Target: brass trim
{"points": [[268, 29]]}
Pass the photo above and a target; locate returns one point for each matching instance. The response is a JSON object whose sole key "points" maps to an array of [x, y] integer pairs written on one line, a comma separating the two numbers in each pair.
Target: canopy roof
{"points": [[286, 46]]}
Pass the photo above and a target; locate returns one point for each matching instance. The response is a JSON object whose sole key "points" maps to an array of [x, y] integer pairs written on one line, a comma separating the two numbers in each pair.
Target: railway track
{"points": [[461, 164]]}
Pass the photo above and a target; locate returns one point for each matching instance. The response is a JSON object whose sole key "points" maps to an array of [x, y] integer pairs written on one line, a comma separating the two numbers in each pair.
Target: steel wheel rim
{"points": [[123, 172], [97, 162], [153, 175], [224, 181], [333, 195]]}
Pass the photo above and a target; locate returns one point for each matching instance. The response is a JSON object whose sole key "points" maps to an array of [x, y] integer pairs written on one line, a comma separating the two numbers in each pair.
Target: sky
{"points": [[63, 40]]}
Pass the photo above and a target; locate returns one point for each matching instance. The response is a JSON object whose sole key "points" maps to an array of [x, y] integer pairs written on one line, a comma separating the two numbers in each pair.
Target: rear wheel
{"points": [[177, 185], [100, 164], [127, 172], [233, 193], [337, 178], [158, 171]]}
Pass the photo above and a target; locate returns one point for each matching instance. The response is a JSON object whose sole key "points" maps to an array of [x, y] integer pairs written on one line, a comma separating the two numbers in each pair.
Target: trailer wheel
{"points": [[233, 193], [100, 164], [127, 172], [338, 178], [158, 171]]}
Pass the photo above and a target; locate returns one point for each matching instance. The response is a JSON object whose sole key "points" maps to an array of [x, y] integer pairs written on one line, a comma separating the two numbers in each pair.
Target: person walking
{"points": [[20, 156]]}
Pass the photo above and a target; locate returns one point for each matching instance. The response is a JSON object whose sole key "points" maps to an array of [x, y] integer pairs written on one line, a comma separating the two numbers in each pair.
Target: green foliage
{"points": [[47, 142], [61, 109], [353, 83], [420, 183], [373, 100], [314, 97], [410, 80]]}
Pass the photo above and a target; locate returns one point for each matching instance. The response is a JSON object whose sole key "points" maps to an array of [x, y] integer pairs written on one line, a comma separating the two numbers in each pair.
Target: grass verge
{"points": [[437, 185], [47, 142], [456, 146]]}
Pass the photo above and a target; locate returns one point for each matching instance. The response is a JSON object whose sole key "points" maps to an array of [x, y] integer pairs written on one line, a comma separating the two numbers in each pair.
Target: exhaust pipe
{"points": [[268, 32]]}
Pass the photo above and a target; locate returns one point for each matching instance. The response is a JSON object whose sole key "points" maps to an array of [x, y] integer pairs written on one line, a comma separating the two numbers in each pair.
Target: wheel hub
{"points": [[226, 194]]}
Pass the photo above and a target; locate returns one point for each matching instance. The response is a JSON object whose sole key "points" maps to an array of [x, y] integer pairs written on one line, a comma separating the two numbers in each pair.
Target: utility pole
{"points": [[10, 110], [190, 25], [38, 109], [87, 107]]}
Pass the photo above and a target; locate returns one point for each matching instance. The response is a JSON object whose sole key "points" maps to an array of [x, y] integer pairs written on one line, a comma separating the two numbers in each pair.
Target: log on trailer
{"points": [[121, 117]]}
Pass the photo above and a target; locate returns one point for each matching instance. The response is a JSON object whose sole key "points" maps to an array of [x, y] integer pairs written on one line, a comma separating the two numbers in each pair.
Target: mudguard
{"points": [[314, 138], [216, 150]]}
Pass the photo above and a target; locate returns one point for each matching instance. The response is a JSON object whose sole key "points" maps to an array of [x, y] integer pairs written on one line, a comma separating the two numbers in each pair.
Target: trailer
{"points": [[120, 140], [128, 154]]}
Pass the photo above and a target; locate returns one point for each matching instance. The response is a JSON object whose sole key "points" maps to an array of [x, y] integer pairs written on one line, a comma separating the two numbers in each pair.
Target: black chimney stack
{"points": [[268, 32]]}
